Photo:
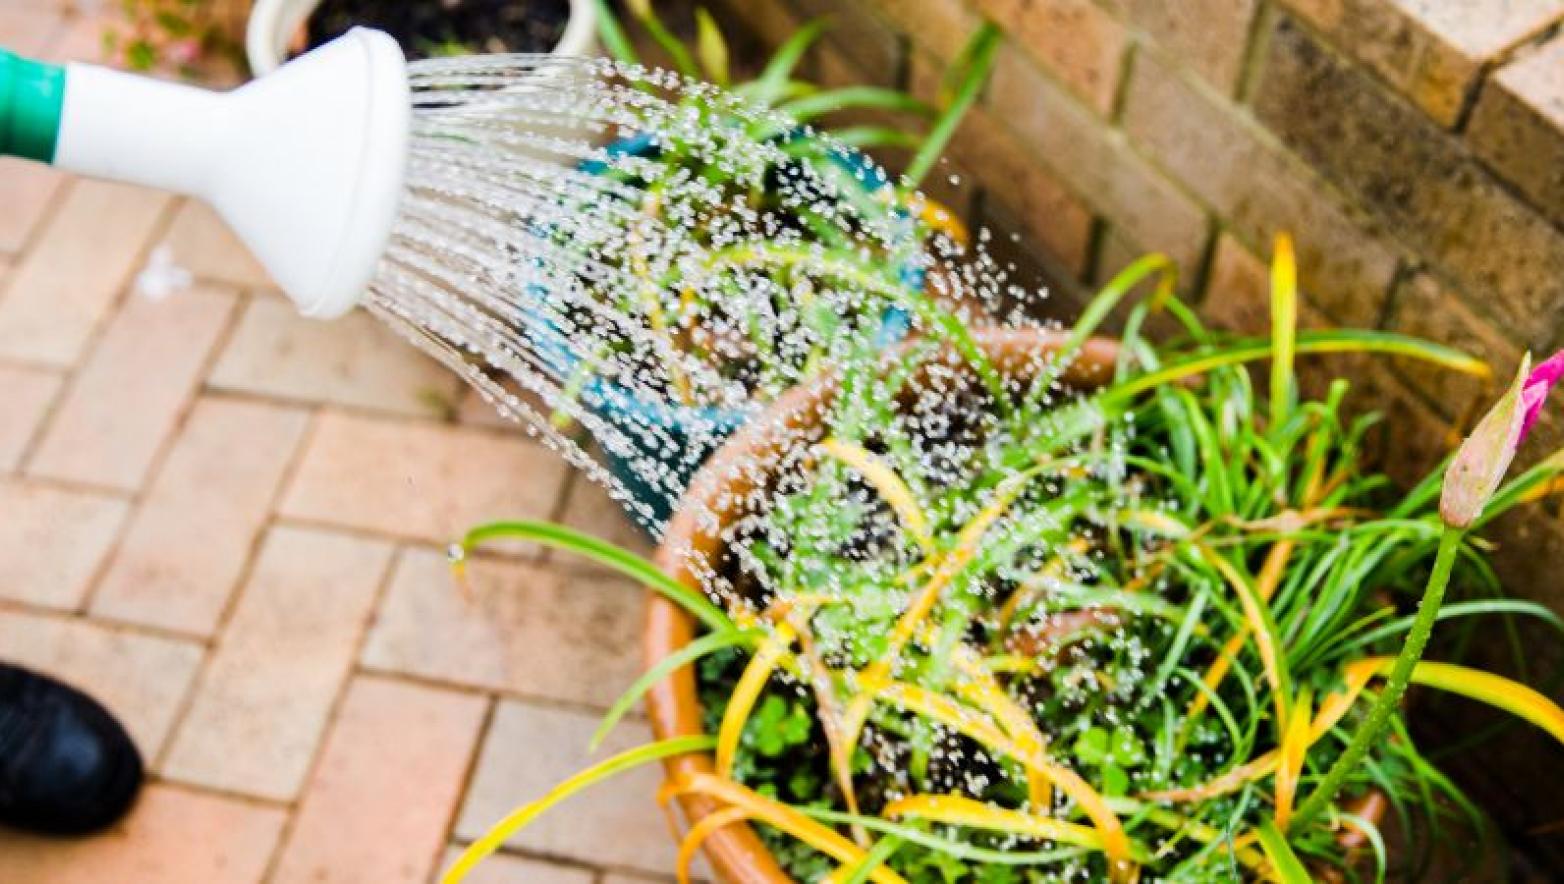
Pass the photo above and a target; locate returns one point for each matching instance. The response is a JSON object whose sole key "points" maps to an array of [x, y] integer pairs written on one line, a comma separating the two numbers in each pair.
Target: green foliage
{"points": [[175, 36]]}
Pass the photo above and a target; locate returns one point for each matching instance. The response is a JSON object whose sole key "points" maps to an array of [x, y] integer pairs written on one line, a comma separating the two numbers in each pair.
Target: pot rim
{"points": [[736, 853], [274, 24]]}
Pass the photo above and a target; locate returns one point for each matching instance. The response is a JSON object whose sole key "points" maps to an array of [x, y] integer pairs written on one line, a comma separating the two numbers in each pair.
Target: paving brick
{"points": [[85, 255], [173, 836], [353, 361], [203, 244], [938, 26], [513, 627], [528, 750], [1429, 50], [142, 679], [1208, 36], [181, 559], [28, 30], [263, 702], [1256, 187], [128, 395], [1426, 309], [386, 787], [502, 869], [1518, 126], [589, 508], [1075, 40], [1238, 293], [1098, 163], [26, 191], [1054, 217], [53, 541], [418, 480], [27, 395], [1418, 181]]}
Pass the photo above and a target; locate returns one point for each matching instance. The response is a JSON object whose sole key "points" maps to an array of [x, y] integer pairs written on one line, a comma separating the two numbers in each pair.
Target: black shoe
{"points": [[66, 766]]}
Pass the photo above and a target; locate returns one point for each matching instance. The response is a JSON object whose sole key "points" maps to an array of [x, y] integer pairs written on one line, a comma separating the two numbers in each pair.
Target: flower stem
{"points": [[1379, 714]]}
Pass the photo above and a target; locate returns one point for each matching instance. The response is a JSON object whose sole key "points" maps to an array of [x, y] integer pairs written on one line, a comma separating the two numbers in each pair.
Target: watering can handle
{"points": [[32, 95]]}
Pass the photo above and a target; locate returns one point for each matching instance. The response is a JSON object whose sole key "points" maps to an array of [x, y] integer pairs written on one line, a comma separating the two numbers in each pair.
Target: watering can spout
{"points": [[306, 164]]}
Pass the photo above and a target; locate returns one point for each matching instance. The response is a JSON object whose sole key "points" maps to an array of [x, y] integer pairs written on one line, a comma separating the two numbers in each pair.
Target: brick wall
{"points": [[1414, 148]]}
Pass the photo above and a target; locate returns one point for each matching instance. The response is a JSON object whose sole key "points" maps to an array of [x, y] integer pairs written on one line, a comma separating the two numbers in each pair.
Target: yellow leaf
{"points": [[956, 810], [1485, 687], [698, 834], [1295, 746], [1284, 327], [742, 700], [890, 486]]}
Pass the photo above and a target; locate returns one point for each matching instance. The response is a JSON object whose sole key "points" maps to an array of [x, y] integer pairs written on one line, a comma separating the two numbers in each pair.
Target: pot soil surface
{"points": [[426, 28]]}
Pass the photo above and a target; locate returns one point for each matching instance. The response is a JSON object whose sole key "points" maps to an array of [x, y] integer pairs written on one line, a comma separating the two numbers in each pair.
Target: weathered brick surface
{"points": [[180, 560], [1419, 181], [173, 836], [142, 679], [1431, 51], [386, 786], [543, 633], [202, 244], [1076, 40], [85, 255], [1237, 289], [354, 361], [280, 664], [1426, 309], [861, 36], [1209, 36], [28, 394], [502, 869], [129, 394], [1518, 126], [25, 191], [53, 541], [420, 481], [1250, 181], [527, 751], [937, 26]]}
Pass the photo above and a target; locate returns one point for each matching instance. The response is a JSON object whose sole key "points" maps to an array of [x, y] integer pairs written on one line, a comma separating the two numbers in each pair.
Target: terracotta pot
{"points": [[692, 536]]}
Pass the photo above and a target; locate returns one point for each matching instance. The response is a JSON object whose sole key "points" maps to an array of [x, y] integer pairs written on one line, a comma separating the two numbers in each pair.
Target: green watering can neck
{"points": [[31, 96]]}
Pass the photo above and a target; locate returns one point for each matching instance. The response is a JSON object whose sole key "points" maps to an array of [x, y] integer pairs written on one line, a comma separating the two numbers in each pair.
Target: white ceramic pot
{"points": [[275, 23]]}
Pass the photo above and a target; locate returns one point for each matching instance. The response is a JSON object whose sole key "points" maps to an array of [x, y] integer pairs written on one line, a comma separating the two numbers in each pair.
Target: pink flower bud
{"points": [[1482, 460]]}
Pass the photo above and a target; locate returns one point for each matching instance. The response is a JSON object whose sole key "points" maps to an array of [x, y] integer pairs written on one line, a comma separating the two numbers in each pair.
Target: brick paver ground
{"points": [[228, 524]]}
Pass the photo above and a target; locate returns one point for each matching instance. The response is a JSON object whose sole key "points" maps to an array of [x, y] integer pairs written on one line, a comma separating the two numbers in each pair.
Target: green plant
{"points": [[1159, 627], [178, 36], [766, 310]]}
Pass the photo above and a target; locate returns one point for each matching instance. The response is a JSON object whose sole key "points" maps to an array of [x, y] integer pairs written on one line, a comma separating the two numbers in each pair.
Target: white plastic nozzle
{"points": [[306, 164]]}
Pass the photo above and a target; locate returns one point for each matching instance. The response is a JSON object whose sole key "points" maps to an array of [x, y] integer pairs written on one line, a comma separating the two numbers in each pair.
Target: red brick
{"points": [[542, 633], [419, 480], [129, 394], [28, 30], [1075, 40], [173, 836], [386, 786], [1426, 309], [1420, 183], [1432, 52], [26, 190], [180, 560], [53, 541], [85, 255], [354, 361], [1053, 216], [859, 35], [28, 394], [528, 750], [1518, 126], [938, 26], [1098, 163], [1208, 36], [142, 679], [264, 699], [1238, 295]]}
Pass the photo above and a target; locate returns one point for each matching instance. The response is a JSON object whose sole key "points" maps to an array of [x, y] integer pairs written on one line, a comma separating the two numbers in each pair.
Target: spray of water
{"points": [[631, 264]]}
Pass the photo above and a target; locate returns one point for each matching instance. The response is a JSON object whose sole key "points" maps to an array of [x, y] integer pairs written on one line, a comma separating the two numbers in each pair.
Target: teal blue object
{"points": [[682, 437], [31, 96]]}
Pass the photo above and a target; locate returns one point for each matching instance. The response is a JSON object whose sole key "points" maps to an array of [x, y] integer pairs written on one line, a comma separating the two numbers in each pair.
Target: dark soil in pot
{"points": [[427, 28]]}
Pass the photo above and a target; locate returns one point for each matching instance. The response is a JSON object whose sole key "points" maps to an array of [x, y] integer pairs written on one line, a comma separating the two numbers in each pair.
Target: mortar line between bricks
{"points": [[333, 710], [89, 346], [1257, 47], [541, 701], [597, 872], [51, 211], [159, 460], [107, 624], [469, 774]]}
